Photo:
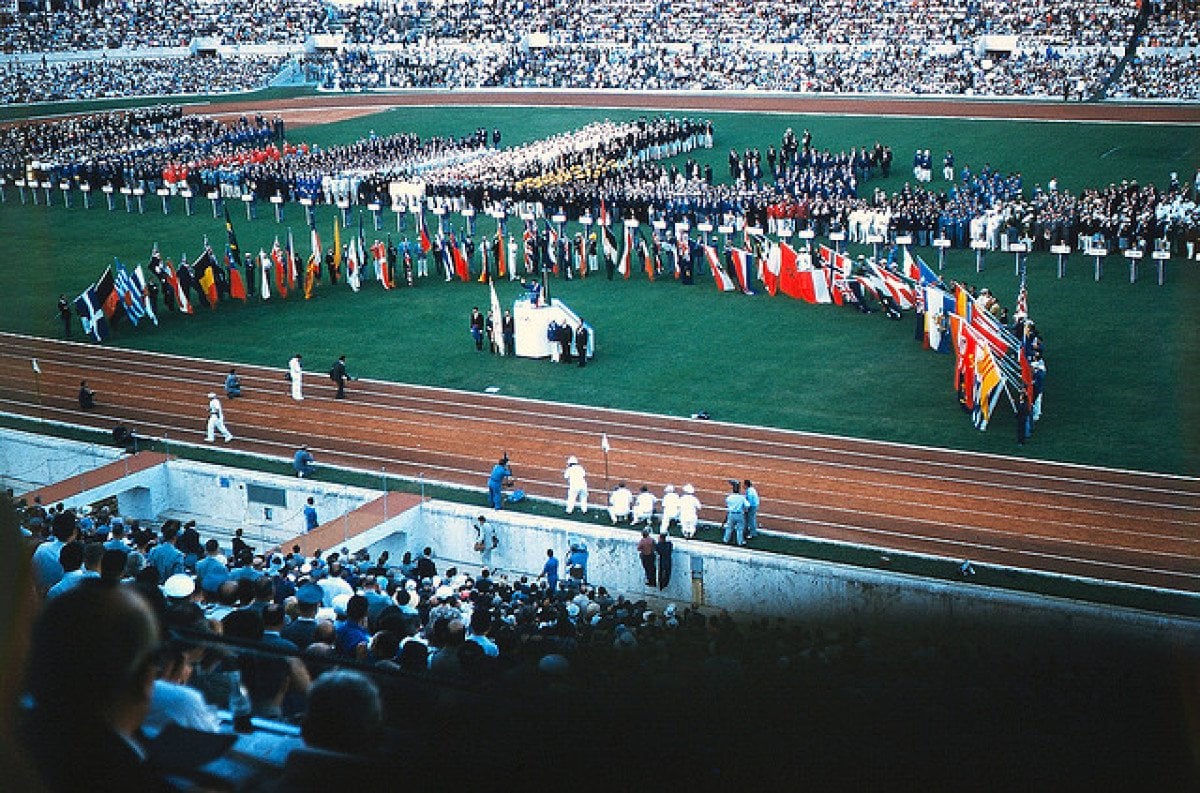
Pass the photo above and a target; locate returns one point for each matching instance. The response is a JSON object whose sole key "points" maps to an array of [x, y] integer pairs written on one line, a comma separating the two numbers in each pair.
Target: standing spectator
{"points": [[425, 567], [663, 549], [476, 326], [500, 475], [303, 462], [689, 512], [577, 489], [751, 510], [340, 375], [296, 376], [508, 328], [735, 514], [1022, 417], [645, 549], [620, 503], [581, 343], [216, 420], [550, 572], [310, 515], [577, 561], [64, 313]]}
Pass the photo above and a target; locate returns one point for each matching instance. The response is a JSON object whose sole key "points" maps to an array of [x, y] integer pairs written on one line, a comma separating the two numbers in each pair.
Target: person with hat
{"points": [[216, 419], [670, 508], [577, 489], [689, 512], [643, 507], [300, 630]]}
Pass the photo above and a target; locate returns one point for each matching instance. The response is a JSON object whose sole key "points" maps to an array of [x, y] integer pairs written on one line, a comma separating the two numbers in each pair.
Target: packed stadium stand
{"points": [[1063, 50]]}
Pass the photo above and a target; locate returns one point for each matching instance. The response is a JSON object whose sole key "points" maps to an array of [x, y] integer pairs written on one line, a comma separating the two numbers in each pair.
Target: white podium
{"points": [[531, 324]]}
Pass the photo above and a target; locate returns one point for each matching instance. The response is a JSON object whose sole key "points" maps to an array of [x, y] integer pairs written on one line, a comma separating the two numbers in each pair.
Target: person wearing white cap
{"points": [[216, 419], [689, 511], [577, 489], [670, 507]]}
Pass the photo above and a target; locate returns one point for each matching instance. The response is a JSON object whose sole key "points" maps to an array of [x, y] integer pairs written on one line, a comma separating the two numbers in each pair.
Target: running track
{"points": [[1136, 528]]}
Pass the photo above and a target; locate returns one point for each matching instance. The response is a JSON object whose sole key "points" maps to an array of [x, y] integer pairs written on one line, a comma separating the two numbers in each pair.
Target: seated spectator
{"points": [[82, 731], [233, 384]]}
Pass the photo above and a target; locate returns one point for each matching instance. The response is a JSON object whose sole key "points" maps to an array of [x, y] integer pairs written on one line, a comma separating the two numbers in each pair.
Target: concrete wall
{"points": [[750, 583], [30, 461]]}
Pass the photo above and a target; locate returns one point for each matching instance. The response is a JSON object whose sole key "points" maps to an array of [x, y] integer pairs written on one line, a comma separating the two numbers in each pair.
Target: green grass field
{"points": [[1120, 356]]}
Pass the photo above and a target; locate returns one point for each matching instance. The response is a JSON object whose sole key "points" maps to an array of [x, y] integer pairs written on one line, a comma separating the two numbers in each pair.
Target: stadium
{"points": [[923, 273]]}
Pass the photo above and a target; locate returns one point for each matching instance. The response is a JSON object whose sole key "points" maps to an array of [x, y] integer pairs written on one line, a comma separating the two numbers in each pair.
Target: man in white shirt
{"points": [[620, 503], [689, 511], [643, 507], [216, 419], [670, 507], [577, 489], [296, 375]]}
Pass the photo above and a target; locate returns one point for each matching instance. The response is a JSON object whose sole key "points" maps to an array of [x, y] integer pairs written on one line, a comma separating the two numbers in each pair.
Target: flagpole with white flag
{"points": [[37, 379], [497, 321], [605, 447]]}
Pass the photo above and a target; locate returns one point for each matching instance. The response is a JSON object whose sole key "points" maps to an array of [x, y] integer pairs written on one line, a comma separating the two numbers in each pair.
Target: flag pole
{"points": [[605, 447], [37, 380]]}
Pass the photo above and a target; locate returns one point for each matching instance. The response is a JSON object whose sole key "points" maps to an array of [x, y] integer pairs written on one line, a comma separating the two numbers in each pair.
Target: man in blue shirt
{"points": [[500, 472], [735, 519], [303, 462], [550, 571], [310, 515], [751, 510]]}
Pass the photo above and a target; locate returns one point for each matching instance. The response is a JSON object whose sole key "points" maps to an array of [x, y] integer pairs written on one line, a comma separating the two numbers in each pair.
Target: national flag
{"points": [[609, 244], [915, 269], [988, 386], [280, 264], [108, 300], [265, 266], [552, 246], [139, 280], [337, 250], [623, 264], [293, 271], [485, 273], [999, 338], [206, 278], [813, 286], [178, 286], [604, 219], [461, 267], [789, 272], [426, 245], [87, 306], [939, 307], [528, 238], [237, 287], [127, 293], [722, 280], [497, 321], [887, 281], [353, 265], [1026, 373], [648, 262], [36, 369], [770, 272], [1022, 309], [501, 259], [743, 266]]}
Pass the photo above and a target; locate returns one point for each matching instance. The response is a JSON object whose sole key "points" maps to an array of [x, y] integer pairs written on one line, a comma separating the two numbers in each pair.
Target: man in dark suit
{"points": [[81, 732], [340, 375], [581, 344]]}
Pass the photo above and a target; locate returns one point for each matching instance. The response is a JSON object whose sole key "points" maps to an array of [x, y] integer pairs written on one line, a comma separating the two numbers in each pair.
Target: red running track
{"points": [[1137, 528]]}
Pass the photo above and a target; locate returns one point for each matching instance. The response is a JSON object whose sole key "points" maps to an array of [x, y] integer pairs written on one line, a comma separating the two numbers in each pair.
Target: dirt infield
{"points": [[326, 108], [1118, 526]]}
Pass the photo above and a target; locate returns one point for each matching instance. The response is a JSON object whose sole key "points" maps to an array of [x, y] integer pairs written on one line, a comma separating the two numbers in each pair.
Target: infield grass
{"points": [[1121, 356]]}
